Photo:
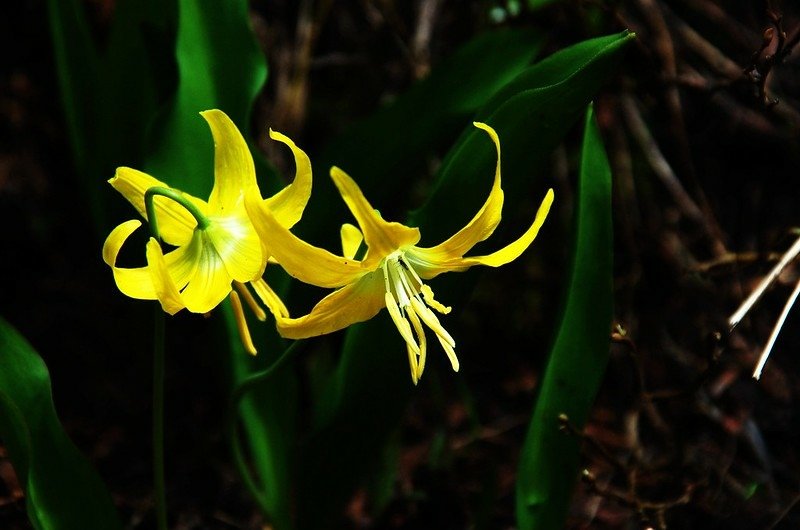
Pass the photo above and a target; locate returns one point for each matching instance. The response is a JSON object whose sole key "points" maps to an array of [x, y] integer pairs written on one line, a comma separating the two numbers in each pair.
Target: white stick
{"points": [[775, 331], [790, 254]]}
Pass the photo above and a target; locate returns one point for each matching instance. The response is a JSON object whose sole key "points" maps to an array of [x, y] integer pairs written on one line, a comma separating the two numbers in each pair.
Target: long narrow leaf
{"points": [[547, 470]]}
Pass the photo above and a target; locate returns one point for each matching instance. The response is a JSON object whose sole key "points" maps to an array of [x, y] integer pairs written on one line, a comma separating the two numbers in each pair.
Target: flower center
{"points": [[409, 301]]}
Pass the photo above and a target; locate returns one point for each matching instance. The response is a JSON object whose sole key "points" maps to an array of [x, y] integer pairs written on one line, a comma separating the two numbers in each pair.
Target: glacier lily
{"points": [[393, 271], [218, 251]]}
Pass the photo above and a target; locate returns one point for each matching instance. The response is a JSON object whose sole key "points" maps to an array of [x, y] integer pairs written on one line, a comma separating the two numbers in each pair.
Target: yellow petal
{"points": [[270, 298], [382, 237], [485, 221], [305, 262], [429, 264], [234, 172], [287, 205], [166, 291], [353, 303], [351, 240], [237, 243], [135, 283], [175, 224], [210, 283]]}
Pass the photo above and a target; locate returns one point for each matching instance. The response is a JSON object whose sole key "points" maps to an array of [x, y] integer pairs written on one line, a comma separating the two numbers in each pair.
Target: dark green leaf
{"points": [[388, 151], [62, 490], [547, 470]]}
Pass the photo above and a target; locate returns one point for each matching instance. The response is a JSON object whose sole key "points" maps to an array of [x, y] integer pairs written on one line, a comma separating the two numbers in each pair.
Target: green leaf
{"points": [[578, 358], [538, 4], [219, 66], [385, 151], [62, 490], [371, 386], [109, 95]]}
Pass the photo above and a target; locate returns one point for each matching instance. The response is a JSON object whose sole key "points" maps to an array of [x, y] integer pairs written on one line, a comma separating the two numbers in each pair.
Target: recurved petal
{"points": [[167, 293], [234, 172], [485, 221], [353, 303], [237, 243], [429, 263], [351, 240], [301, 260], [288, 204], [135, 283], [382, 237], [175, 224], [210, 282]]}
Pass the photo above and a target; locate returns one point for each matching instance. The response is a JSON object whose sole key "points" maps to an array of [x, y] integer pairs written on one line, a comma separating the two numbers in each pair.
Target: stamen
{"points": [[400, 322], [432, 322], [251, 302], [451, 354], [241, 323], [412, 361], [427, 293], [399, 289], [270, 299], [412, 316]]}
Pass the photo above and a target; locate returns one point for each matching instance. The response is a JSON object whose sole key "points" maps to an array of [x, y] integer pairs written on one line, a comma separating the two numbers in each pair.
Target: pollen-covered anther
{"points": [[241, 324], [407, 299]]}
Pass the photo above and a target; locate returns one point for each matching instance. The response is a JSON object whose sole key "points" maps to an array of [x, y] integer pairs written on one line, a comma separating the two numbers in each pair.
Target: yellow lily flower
{"points": [[393, 271], [217, 247]]}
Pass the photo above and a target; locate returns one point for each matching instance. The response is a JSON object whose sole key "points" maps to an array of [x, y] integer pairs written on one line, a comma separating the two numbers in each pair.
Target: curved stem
{"points": [[177, 196], [238, 394]]}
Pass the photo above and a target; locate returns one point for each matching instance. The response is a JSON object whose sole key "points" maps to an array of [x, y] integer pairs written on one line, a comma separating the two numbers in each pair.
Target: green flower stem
{"points": [[177, 196], [239, 392], [158, 420], [159, 356]]}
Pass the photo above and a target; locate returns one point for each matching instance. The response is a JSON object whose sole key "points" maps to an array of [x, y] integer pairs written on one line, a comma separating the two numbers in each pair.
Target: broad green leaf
{"points": [[62, 490], [371, 387], [389, 150], [219, 66], [578, 358]]}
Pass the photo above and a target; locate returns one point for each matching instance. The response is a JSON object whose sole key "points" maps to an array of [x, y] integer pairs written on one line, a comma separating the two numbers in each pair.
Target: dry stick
{"points": [[659, 164], [758, 292], [744, 36], [664, 46], [784, 512], [762, 360], [420, 42], [707, 51]]}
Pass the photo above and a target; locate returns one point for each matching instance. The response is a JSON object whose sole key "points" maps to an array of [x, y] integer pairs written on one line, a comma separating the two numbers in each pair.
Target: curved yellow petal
{"points": [[485, 221], [353, 303], [236, 241], [234, 172], [210, 282], [288, 204], [382, 237], [135, 283], [429, 263], [166, 291], [351, 240], [305, 262], [175, 224]]}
